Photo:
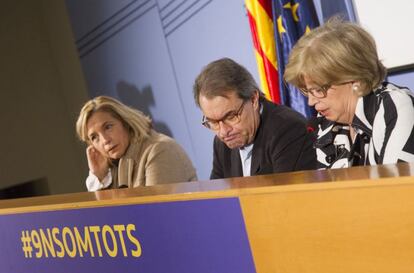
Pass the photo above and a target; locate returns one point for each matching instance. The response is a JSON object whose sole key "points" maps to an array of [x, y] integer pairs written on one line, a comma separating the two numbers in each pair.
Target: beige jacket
{"points": [[157, 160]]}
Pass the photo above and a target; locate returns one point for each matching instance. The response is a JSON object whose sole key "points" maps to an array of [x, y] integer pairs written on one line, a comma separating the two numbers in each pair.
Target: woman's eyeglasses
{"points": [[320, 92], [317, 92]]}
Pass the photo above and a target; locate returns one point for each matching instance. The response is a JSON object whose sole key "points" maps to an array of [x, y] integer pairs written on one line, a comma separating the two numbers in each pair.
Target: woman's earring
{"points": [[355, 87]]}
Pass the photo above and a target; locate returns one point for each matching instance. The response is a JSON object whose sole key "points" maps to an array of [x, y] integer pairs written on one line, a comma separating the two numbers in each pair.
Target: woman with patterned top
{"points": [[363, 120]]}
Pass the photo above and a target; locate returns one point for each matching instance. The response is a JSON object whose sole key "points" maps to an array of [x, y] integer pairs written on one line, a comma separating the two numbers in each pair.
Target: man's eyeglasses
{"points": [[230, 119], [320, 92]]}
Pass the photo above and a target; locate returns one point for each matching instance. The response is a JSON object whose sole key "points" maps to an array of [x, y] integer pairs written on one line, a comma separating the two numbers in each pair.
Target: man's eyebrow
{"points": [[223, 117]]}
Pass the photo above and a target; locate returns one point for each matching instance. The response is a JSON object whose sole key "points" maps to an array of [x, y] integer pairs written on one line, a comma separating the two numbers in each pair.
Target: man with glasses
{"points": [[253, 136]]}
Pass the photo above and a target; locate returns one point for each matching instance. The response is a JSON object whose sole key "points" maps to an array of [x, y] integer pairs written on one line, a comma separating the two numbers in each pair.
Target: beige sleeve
{"points": [[167, 163]]}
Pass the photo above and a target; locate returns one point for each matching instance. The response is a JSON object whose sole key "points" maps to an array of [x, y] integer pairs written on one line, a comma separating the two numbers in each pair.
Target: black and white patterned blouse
{"points": [[384, 126]]}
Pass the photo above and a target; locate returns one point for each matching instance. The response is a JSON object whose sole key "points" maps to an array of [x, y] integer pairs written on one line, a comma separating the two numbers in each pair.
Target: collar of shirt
{"points": [[366, 109], [360, 121], [246, 152], [246, 158]]}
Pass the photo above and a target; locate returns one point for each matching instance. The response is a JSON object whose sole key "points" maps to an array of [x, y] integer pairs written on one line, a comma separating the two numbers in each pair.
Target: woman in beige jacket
{"points": [[124, 151]]}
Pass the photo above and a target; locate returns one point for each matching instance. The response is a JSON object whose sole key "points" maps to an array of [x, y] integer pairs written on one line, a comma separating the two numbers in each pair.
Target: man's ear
{"points": [[255, 99]]}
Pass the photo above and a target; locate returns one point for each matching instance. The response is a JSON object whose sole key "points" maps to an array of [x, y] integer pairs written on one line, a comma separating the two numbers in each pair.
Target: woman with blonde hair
{"points": [[124, 151], [363, 120]]}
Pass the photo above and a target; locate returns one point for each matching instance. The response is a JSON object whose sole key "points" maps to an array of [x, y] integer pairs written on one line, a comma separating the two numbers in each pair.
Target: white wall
{"points": [[391, 24]]}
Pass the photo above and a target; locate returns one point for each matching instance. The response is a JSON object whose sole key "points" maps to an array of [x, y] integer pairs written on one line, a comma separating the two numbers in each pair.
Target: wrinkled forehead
{"points": [[218, 106], [98, 118], [311, 79]]}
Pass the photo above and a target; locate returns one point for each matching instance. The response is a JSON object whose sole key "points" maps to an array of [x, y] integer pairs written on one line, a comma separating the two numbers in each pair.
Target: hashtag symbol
{"points": [[27, 244]]}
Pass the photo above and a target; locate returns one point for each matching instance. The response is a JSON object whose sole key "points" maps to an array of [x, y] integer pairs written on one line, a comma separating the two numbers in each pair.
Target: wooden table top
{"points": [[213, 188]]}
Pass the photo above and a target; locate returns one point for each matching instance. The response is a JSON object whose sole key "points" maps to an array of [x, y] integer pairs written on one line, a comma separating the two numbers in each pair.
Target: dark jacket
{"points": [[282, 144]]}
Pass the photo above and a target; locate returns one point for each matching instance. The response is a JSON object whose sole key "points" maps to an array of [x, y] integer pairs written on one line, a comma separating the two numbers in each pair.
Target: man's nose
{"points": [[224, 129]]}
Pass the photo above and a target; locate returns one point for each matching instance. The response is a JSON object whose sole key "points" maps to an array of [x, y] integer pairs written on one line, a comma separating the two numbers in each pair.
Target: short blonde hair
{"points": [[135, 121], [336, 52]]}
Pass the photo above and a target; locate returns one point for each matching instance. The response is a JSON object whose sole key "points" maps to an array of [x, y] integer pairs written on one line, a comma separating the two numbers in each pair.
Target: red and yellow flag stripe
{"points": [[262, 28]]}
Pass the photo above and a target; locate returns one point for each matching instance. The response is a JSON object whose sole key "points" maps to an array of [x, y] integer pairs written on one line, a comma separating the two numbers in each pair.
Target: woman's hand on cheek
{"points": [[98, 163]]}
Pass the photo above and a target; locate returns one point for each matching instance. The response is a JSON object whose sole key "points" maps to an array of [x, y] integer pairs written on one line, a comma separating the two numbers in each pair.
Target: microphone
{"points": [[312, 127], [312, 124]]}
